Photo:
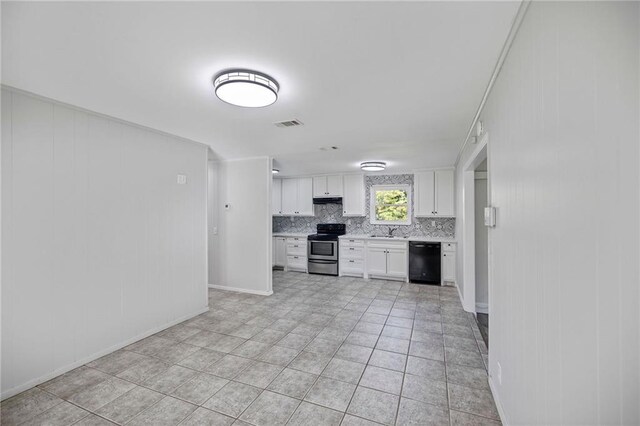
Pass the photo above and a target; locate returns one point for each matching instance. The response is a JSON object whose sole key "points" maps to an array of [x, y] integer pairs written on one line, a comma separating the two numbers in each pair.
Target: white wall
{"points": [[563, 124], [481, 244], [242, 246], [100, 246]]}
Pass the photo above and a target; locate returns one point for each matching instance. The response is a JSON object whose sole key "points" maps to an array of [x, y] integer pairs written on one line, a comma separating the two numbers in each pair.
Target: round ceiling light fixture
{"points": [[246, 88], [373, 166]]}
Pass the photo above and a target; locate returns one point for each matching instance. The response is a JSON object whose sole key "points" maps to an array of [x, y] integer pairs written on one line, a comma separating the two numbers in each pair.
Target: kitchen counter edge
{"points": [[410, 238]]}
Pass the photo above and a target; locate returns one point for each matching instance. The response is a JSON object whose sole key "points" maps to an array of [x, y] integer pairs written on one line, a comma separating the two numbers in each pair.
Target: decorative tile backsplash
{"points": [[332, 213]]}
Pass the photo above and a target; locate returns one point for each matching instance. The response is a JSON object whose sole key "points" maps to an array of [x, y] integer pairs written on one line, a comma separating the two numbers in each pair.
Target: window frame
{"points": [[372, 204]]}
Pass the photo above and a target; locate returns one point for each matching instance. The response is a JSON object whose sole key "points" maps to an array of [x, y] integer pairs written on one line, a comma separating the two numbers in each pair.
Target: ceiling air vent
{"points": [[288, 123]]}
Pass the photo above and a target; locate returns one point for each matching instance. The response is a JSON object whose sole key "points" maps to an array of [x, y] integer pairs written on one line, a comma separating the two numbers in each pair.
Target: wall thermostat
{"points": [[490, 217]]}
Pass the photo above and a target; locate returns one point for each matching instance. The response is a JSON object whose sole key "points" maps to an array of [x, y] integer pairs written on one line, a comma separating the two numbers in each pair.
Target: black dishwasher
{"points": [[424, 262]]}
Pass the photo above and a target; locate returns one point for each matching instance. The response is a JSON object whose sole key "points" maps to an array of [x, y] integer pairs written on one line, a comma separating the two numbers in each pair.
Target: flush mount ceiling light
{"points": [[275, 171], [246, 88], [373, 166]]}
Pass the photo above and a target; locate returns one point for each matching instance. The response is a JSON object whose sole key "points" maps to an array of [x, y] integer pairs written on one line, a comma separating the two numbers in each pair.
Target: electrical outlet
{"points": [[182, 179], [433, 223], [499, 373]]}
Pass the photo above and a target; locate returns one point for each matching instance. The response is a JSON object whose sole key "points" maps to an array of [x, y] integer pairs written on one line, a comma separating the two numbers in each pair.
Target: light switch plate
{"points": [[490, 217], [182, 179]]}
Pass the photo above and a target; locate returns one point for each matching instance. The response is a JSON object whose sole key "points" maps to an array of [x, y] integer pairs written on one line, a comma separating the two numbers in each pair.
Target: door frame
{"points": [[479, 154]]}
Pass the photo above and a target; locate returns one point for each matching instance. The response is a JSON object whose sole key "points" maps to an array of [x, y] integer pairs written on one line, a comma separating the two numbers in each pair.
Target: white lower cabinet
{"points": [[279, 252], [296, 249], [449, 262], [387, 259], [397, 262], [351, 258]]}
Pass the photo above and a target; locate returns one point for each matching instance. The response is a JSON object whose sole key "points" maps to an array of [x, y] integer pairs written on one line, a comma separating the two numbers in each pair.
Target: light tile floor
{"points": [[319, 351]]}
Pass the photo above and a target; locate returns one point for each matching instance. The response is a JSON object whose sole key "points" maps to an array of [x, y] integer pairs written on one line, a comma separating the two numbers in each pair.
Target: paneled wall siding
{"points": [[100, 245], [332, 213], [563, 124]]}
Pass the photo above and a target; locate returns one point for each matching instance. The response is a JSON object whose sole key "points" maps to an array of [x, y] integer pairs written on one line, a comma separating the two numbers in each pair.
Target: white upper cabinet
{"points": [[276, 197], [353, 195], [334, 186], [327, 186], [424, 191], [444, 193], [305, 196], [434, 193], [289, 196], [297, 197]]}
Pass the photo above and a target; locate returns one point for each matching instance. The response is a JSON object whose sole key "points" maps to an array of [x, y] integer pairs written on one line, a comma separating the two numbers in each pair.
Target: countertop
{"points": [[291, 234], [410, 238], [369, 237]]}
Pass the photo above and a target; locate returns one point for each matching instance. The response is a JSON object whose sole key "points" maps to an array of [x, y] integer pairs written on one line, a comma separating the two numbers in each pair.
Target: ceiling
{"points": [[397, 82]]}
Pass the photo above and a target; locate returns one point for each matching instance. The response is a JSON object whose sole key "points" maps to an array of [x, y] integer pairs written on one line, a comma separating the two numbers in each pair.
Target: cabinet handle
{"points": [[351, 261], [351, 248], [295, 257], [444, 255], [345, 211]]}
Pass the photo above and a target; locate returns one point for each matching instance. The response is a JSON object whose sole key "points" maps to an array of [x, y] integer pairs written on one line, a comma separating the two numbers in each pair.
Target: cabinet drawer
{"points": [[352, 266], [352, 252], [296, 240], [297, 262], [449, 247], [387, 244], [351, 243], [297, 249]]}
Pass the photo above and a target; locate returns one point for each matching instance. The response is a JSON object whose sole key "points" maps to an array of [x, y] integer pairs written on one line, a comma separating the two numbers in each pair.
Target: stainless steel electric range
{"points": [[322, 248]]}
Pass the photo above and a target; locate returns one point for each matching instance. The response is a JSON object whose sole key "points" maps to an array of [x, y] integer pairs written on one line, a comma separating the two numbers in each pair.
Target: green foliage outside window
{"points": [[392, 205]]}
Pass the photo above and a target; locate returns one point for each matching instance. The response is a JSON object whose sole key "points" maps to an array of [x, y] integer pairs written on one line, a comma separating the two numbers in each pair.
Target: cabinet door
{"points": [[281, 254], [319, 186], [444, 193], [273, 252], [289, 196], [448, 266], [276, 197], [351, 266], [305, 197], [397, 262], [353, 195], [334, 186], [376, 261], [424, 188]]}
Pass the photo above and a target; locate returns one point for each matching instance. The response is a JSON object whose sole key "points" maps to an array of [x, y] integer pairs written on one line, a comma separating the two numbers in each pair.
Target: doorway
{"points": [[481, 250], [476, 177]]}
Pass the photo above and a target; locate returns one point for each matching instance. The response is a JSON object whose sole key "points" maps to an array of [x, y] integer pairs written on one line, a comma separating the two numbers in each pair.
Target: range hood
{"points": [[327, 200]]}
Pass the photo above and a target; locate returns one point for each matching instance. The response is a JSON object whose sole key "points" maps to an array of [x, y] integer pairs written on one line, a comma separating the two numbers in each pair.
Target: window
{"points": [[390, 205]]}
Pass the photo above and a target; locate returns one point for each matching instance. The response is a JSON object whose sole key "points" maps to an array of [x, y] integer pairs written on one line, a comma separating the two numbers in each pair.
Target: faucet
{"points": [[391, 231]]}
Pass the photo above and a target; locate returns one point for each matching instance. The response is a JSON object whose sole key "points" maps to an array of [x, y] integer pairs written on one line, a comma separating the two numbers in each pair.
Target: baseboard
{"points": [[241, 290], [35, 382], [482, 308], [501, 413]]}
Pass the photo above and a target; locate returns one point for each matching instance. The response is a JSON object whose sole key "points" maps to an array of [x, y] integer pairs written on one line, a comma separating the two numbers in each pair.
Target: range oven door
{"points": [[322, 250], [324, 267]]}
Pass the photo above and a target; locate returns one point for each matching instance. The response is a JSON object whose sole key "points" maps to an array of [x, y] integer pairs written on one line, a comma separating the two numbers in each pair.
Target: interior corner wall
{"points": [[563, 120], [242, 244], [100, 245]]}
